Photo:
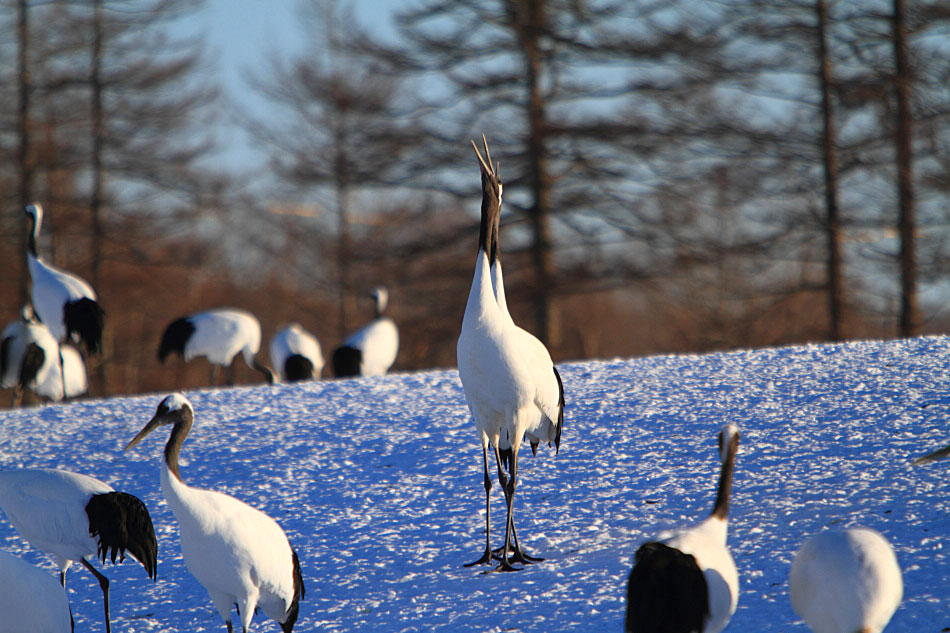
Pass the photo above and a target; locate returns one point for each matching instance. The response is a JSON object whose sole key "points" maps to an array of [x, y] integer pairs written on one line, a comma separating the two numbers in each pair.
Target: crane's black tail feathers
{"points": [[560, 413], [347, 361], [666, 592], [86, 318], [5, 354], [175, 337], [298, 367], [121, 521], [32, 361], [288, 624]]}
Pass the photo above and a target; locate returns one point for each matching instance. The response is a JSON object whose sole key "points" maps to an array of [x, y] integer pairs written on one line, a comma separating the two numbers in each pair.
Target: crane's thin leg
{"points": [[229, 375], [62, 370], [508, 484], [17, 396], [518, 555], [104, 583], [214, 375], [487, 556], [62, 582]]}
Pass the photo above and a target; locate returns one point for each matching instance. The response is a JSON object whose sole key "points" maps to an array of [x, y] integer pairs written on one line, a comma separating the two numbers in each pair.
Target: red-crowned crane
{"points": [[846, 581], [31, 358], [511, 390], [687, 582], [65, 303], [73, 517], [372, 349], [239, 554], [218, 335], [31, 601], [295, 354]]}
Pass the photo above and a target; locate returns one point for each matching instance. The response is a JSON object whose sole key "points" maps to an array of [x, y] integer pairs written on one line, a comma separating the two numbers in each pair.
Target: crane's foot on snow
{"points": [[504, 566], [516, 555], [485, 559]]}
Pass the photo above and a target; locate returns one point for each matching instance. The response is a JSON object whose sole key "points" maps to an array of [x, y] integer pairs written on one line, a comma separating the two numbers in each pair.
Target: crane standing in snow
{"points": [[31, 358], [66, 304], [688, 582], [72, 516], [508, 379], [846, 581], [31, 598], [218, 335], [372, 349], [295, 353], [238, 553]]}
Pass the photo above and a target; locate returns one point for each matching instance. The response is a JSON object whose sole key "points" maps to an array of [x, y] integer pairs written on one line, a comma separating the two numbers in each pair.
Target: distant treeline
{"points": [[678, 176]]}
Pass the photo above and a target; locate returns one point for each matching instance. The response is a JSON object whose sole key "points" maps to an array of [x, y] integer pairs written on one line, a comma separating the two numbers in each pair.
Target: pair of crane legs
{"points": [[507, 482], [103, 583]]}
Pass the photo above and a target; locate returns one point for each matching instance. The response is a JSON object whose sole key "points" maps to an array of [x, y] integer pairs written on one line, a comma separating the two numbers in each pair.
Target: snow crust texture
{"points": [[377, 483]]}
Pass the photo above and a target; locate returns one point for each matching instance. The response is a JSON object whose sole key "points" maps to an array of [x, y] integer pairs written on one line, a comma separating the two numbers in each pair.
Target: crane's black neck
{"points": [[264, 370], [721, 508], [32, 237], [177, 438], [488, 230], [496, 236]]}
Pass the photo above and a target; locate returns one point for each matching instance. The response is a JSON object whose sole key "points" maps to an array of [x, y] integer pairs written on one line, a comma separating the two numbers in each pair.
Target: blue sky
{"points": [[241, 35]]}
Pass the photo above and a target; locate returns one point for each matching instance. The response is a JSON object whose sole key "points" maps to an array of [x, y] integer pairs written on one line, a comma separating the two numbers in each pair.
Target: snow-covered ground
{"points": [[378, 484]]}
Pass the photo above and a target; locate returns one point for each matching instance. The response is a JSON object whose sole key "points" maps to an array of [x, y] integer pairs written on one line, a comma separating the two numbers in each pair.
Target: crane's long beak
{"points": [[943, 453], [153, 424], [481, 161]]}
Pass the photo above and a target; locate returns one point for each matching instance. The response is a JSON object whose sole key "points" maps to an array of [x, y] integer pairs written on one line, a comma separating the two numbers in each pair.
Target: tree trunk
{"points": [[24, 160], [342, 188], [830, 161], [539, 180], [98, 174], [909, 316]]}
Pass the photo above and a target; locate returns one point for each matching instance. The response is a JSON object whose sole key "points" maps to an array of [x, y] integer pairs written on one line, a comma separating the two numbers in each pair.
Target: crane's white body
{"points": [[503, 375], [544, 429], [291, 340], [51, 287], [77, 382], [706, 542], [239, 554], [48, 508], [49, 378], [846, 582], [31, 601], [378, 341], [221, 333]]}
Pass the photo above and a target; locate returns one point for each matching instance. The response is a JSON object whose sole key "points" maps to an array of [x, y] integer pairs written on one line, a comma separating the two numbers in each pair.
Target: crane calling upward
{"points": [[510, 384], [239, 554]]}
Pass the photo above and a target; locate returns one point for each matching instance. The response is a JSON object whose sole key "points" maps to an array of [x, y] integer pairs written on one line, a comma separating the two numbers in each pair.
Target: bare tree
{"points": [[341, 132], [830, 163], [907, 223]]}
